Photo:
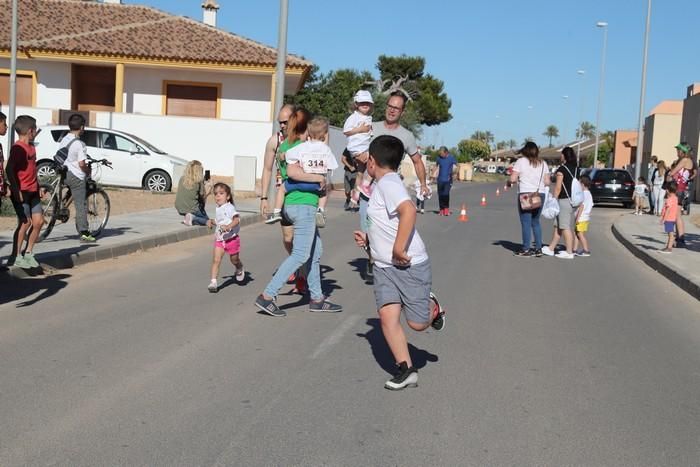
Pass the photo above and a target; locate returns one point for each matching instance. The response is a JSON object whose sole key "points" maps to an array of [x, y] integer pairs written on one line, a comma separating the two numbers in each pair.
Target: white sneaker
{"points": [[240, 275], [565, 255], [320, 218], [213, 286], [188, 219], [547, 251]]}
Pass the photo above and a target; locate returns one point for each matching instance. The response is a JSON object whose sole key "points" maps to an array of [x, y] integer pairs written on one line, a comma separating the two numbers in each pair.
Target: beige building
{"points": [[661, 131], [625, 151]]}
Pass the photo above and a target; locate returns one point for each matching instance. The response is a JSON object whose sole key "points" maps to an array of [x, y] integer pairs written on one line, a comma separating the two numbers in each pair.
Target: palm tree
{"points": [[551, 132], [586, 130], [528, 139], [512, 143], [485, 136], [501, 145]]}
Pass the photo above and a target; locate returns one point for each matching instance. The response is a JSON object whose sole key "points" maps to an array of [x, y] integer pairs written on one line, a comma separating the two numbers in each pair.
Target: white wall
{"points": [[213, 142], [43, 117], [243, 96], [53, 82]]}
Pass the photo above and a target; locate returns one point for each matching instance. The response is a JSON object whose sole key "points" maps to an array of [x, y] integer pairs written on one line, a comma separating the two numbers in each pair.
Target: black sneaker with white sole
{"points": [[269, 307], [324, 306], [439, 321], [405, 377]]}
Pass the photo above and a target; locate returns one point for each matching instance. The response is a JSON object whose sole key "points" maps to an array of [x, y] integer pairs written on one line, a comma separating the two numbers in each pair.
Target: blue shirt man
{"points": [[446, 165]]}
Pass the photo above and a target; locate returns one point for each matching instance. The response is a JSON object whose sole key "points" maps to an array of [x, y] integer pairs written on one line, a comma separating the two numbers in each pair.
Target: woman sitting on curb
{"points": [[192, 193]]}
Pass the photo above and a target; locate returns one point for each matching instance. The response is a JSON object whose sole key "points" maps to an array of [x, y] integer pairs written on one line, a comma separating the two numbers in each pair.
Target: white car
{"points": [[491, 169], [135, 162]]}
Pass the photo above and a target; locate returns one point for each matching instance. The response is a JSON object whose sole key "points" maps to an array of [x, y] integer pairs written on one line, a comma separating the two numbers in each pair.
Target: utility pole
{"points": [[13, 74], [281, 60], [642, 97], [604, 26]]}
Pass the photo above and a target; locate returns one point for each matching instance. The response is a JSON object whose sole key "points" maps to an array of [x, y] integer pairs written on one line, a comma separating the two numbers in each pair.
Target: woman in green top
{"points": [[192, 192], [299, 209]]}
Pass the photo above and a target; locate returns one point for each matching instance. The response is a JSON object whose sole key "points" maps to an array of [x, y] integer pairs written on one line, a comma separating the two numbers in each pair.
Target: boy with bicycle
{"points": [[78, 170], [24, 189]]}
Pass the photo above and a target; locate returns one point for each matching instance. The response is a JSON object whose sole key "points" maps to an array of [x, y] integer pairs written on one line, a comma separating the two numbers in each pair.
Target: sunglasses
{"points": [[283, 123]]}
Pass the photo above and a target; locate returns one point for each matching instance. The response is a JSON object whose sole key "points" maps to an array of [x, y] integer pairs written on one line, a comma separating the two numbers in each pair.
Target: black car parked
{"points": [[611, 186]]}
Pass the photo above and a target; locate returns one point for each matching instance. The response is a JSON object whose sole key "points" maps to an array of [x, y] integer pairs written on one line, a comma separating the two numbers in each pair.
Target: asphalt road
{"points": [[592, 361]]}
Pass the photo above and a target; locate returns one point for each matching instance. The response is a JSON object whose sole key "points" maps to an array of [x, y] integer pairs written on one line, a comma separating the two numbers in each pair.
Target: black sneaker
{"points": [[269, 307], [523, 253], [324, 306], [538, 253], [404, 377], [439, 321]]}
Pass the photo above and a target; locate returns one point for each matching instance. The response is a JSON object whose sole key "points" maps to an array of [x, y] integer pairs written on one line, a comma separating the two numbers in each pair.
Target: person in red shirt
{"points": [[24, 189]]}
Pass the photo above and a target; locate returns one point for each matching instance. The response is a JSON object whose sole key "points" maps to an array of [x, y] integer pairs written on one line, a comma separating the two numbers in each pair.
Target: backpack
{"points": [[576, 196], [62, 154]]}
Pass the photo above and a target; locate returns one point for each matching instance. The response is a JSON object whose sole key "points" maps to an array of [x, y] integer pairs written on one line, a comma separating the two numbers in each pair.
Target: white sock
{"points": [[276, 211]]}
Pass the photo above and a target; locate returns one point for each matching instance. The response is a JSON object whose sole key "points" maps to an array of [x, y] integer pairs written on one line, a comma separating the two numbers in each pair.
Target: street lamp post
{"points": [[604, 26], [281, 59], [13, 74], [581, 73], [640, 129], [566, 118]]}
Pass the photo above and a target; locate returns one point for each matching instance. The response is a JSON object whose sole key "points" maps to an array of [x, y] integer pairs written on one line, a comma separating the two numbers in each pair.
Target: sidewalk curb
{"points": [[655, 263], [58, 260]]}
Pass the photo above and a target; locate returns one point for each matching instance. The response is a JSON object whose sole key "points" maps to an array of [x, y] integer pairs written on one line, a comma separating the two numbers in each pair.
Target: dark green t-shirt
{"points": [[188, 200]]}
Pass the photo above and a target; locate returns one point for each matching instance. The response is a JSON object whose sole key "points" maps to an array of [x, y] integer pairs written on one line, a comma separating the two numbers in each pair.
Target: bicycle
{"points": [[56, 199]]}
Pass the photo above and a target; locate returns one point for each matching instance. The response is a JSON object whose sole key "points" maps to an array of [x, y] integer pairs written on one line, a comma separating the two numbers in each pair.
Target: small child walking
{"points": [[358, 129], [669, 216], [583, 218], [403, 278], [226, 236], [641, 190], [420, 197], [317, 158]]}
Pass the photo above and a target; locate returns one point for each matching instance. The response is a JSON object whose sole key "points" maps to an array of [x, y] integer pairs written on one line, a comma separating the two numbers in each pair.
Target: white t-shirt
{"points": [[76, 153], [224, 216], [530, 178], [383, 220], [315, 157], [358, 142], [640, 189], [587, 206]]}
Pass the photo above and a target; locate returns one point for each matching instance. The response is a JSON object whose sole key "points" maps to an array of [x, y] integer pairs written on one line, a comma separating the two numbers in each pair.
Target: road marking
{"points": [[334, 337]]}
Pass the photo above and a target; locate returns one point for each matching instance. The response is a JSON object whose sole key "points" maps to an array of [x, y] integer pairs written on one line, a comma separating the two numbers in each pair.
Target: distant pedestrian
{"points": [[420, 197], [583, 219], [403, 278], [358, 129], [532, 175], [3, 184], [565, 175], [670, 216], [657, 186], [641, 190], [77, 172], [652, 170], [681, 174], [24, 186], [226, 236], [192, 193], [444, 173]]}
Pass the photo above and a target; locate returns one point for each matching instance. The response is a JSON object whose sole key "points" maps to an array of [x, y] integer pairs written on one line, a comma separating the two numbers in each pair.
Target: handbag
{"points": [[532, 201]]}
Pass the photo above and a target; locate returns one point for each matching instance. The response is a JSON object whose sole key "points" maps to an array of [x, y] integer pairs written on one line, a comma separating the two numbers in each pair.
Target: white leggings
{"points": [[658, 195]]}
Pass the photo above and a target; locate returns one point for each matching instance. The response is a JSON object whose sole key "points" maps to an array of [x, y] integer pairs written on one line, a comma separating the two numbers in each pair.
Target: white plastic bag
{"points": [[550, 208]]}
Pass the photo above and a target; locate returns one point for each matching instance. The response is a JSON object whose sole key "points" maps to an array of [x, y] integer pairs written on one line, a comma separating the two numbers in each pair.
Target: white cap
{"points": [[363, 96]]}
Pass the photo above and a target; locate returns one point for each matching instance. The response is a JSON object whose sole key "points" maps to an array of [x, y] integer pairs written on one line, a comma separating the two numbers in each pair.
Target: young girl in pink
{"points": [[669, 216], [226, 238]]}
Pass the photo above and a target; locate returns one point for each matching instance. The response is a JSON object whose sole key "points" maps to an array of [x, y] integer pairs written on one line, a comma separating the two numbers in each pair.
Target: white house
{"points": [[191, 89]]}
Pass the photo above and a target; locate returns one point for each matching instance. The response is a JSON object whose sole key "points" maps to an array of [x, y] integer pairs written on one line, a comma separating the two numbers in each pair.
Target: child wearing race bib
{"points": [[226, 238], [358, 129], [315, 157]]}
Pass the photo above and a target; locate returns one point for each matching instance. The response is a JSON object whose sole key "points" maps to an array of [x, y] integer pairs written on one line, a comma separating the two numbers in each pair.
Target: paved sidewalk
{"points": [[124, 234], [644, 237]]}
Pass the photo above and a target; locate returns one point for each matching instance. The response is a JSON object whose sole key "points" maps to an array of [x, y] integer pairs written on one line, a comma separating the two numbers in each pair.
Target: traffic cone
{"points": [[498, 192], [505, 187], [463, 214], [483, 199]]}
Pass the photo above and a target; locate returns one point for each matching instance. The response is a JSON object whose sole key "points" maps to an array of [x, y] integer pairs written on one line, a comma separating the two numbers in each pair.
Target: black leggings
{"points": [[444, 194]]}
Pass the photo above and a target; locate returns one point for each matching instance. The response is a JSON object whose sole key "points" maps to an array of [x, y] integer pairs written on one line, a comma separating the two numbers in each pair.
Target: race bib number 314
{"points": [[315, 163]]}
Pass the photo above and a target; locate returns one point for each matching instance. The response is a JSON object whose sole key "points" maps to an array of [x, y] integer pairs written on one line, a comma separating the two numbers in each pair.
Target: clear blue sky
{"points": [[496, 57]]}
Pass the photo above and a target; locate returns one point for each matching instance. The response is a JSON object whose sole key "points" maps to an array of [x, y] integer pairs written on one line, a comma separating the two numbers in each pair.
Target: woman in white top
{"points": [[532, 175], [656, 189]]}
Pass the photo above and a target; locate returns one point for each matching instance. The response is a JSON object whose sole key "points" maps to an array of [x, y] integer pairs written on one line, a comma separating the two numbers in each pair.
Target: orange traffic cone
{"points": [[498, 192], [463, 214], [505, 187], [483, 199]]}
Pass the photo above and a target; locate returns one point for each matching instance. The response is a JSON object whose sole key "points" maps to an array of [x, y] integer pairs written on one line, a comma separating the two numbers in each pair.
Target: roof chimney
{"points": [[210, 8]]}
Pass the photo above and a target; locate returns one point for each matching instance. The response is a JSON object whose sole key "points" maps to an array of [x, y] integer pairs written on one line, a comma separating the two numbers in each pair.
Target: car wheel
{"points": [[46, 169], [157, 181]]}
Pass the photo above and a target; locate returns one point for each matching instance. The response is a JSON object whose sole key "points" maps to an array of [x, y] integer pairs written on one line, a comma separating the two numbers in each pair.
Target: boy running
{"points": [[24, 187], [403, 277]]}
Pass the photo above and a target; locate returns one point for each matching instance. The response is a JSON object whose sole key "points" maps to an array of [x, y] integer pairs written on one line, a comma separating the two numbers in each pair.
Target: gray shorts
{"points": [[566, 215], [408, 286]]}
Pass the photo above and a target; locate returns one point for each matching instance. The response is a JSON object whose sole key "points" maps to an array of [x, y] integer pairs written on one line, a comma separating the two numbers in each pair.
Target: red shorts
{"points": [[231, 246]]}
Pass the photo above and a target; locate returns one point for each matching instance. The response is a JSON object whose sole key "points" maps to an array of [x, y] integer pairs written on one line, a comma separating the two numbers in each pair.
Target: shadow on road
{"points": [[12, 288], [360, 267], [508, 245], [381, 353]]}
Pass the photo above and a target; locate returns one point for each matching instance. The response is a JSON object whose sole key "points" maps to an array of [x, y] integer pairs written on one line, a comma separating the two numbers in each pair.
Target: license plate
{"points": [[614, 186]]}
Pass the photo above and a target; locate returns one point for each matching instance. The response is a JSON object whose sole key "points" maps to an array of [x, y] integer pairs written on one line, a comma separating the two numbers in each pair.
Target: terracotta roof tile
{"points": [[86, 27]]}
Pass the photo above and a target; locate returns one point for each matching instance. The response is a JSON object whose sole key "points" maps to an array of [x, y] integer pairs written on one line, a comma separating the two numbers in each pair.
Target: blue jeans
{"points": [[306, 247], [530, 223], [199, 216]]}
